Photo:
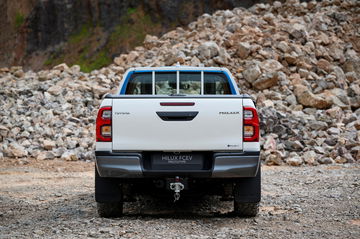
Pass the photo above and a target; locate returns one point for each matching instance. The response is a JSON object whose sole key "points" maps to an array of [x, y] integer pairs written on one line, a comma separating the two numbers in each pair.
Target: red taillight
{"points": [[251, 125], [104, 124]]}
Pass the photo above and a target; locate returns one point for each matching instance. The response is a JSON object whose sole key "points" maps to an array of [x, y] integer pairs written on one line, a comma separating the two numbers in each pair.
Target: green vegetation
{"points": [[49, 61], [19, 20], [91, 47], [132, 29], [99, 60], [131, 10], [55, 59], [87, 60], [86, 63], [81, 35]]}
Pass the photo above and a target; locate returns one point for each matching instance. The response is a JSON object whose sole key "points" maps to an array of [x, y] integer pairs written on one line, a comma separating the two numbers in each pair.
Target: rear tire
{"points": [[108, 195], [246, 209], [247, 195], [110, 209]]}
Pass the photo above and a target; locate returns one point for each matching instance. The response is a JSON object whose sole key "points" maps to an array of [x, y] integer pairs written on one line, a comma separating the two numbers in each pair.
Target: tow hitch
{"points": [[176, 186]]}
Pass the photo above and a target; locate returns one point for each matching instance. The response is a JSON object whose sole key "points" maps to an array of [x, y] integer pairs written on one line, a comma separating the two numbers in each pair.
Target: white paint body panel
{"points": [[248, 103], [104, 146], [142, 129], [251, 146]]}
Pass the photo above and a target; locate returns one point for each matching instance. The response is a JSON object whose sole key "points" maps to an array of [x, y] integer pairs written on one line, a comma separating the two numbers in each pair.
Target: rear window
{"points": [[140, 84], [189, 83], [216, 84], [165, 83]]}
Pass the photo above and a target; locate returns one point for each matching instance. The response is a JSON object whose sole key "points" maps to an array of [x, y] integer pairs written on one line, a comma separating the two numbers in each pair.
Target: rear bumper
{"points": [[235, 165], [130, 165]]}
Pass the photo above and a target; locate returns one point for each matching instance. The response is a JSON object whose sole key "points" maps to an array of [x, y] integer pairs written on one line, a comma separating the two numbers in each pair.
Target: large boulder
{"points": [[271, 65], [55, 90], [252, 72], [208, 50], [243, 50], [45, 155], [69, 156], [49, 144], [17, 150], [266, 80], [325, 65], [294, 160], [307, 98], [352, 65], [150, 41]]}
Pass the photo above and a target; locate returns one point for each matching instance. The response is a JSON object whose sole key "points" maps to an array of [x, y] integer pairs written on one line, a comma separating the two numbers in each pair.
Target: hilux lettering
{"points": [[177, 157]]}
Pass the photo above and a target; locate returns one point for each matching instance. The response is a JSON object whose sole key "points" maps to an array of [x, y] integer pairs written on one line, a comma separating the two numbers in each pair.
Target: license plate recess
{"points": [[177, 161]]}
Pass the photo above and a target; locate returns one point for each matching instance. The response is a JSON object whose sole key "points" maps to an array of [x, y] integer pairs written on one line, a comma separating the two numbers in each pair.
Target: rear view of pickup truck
{"points": [[177, 132]]}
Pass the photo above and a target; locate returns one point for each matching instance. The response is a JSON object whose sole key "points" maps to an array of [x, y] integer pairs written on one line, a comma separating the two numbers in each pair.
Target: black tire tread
{"points": [[246, 209], [110, 209], [247, 195]]}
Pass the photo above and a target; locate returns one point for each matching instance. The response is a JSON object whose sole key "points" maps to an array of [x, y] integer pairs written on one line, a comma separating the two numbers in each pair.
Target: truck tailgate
{"points": [[145, 124]]}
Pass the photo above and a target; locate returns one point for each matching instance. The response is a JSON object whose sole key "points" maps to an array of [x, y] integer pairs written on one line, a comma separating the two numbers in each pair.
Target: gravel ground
{"points": [[54, 199]]}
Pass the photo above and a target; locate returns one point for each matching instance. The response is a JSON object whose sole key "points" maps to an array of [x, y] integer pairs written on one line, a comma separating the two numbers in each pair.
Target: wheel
{"points": [[110, 209], [246, 209], [247, 195], [108, 195]]}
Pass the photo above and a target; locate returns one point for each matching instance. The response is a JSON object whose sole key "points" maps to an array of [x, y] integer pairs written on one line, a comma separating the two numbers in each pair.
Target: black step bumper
{"points": [[131, 165]]}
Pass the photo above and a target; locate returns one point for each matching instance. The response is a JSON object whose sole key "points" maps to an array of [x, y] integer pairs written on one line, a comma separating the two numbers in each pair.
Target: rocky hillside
{"points": [[300, 62], [41, 34]]}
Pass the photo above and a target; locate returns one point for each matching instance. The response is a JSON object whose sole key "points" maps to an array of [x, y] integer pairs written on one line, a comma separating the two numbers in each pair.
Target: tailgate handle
{"points": [[177, 116]]}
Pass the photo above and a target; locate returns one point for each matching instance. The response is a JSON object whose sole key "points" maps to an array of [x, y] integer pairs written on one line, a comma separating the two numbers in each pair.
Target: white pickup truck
{"points": [[177, 131]]}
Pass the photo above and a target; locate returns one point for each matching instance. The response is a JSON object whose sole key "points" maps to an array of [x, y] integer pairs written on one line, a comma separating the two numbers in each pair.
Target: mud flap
{"points": [[248, 190], [107, 189]]}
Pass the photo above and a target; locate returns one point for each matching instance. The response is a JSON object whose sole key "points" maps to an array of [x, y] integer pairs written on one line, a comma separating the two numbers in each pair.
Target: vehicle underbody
{"points": [[175, 183]]}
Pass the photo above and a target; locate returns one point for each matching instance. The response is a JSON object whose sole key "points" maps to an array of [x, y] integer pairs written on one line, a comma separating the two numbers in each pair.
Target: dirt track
{"points": [[54, 199]]}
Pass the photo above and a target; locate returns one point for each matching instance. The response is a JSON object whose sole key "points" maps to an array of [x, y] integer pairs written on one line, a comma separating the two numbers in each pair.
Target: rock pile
{"points": [[51, 114], [300, 62]]}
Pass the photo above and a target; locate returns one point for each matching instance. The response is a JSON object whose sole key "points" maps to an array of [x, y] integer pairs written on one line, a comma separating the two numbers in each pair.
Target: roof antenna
{"points": [[177, 64]]}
